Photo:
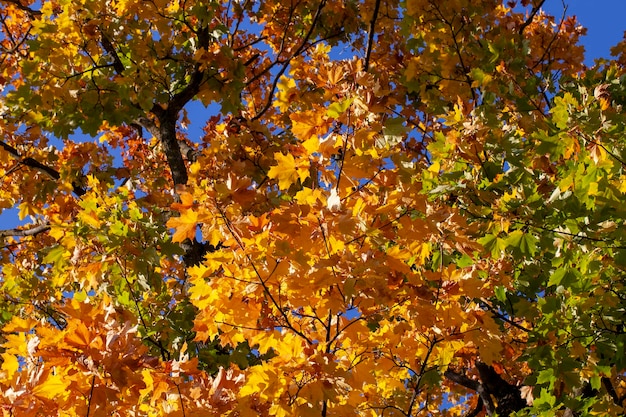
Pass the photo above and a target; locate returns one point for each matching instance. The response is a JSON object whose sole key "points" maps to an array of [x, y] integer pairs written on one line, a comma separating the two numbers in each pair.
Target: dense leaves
{"points": [[311, 208]]}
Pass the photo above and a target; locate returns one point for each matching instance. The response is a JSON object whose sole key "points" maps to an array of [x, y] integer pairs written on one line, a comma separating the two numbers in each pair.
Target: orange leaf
{"points": [[185, 225]]}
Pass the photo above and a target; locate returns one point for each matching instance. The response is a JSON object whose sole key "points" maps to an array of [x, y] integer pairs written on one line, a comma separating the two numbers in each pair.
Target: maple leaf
{"points": [[10, 365], [286, 92], [51, 387], [185, 225], [309, 230], [289, 170], [309, 123]]}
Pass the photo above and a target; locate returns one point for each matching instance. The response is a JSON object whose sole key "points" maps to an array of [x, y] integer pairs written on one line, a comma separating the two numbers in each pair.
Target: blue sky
{"points": [[604, 20]]}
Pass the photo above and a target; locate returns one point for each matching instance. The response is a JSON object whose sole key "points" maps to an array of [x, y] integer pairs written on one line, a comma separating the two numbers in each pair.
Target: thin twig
{"points": [[182, 404], [501, 316], [286, 63], [420, 376], [263, 282], [93, 384]]}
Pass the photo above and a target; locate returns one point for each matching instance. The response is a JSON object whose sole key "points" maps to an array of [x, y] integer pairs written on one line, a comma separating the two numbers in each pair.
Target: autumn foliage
{"points": [[309, 208]]}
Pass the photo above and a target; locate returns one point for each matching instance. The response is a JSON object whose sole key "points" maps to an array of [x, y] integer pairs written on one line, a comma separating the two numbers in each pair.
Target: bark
{"points": [[492, 390]]}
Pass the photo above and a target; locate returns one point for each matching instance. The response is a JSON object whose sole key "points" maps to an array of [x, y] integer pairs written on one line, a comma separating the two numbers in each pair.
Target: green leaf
{"points": [[546, 401], [337, 109], [546, 376], [394, 132], [524, 243], [595, 382], [493, 244], [480, 77], [54, 255], [560, 115], [119, 229], [556, 277], [620, 257], [500, 293]]}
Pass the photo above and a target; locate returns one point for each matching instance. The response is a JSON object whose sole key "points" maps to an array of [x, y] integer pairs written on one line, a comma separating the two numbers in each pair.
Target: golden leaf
{"points": [[288, 170]]}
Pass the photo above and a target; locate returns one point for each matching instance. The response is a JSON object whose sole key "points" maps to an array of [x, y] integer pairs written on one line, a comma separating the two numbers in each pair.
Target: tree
{"points": [[399, 209]]}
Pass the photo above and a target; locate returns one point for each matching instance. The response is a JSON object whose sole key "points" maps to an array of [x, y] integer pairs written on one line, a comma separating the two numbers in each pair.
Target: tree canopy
{"points": [[309, 208]]}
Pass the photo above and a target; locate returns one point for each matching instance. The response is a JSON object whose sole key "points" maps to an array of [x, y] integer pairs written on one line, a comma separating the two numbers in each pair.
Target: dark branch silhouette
{"points": [[32, 163]]}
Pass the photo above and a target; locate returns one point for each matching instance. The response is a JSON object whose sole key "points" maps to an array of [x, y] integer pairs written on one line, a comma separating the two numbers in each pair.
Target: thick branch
{"points": [[165, 132], [508, 396], [477, 409], [180, 99], [25, 232], [110, 49], [171, 147], [32, 163], [474, 385], [611, 391], [491, 387], [462, 380], [31, 12]]}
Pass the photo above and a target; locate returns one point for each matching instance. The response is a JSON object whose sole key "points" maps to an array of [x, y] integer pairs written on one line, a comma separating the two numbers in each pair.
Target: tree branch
{"points": [[501, 316], [32, 163], [530, 19], [370, 36], [473, 385], [491, 386], [462, 380], [93, 384], [31, 12], [110, 49], [508, 396], [285, 64], [477, 409], [611, 391], [25, 232], [174, 149]]}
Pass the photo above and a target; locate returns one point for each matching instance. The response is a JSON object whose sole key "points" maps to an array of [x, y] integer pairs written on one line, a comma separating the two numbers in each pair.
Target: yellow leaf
{"points": [[286, 91], [149, 381], [27, 209], [10, 365], [51, 387], [258, 381], [434, 167], [90, 218], [186, 202], [307, 196], [312, 144], [447, 350], [18, 324], [79, 336], [16, 343], [266, 341], [288, 170], [202, 295]]}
